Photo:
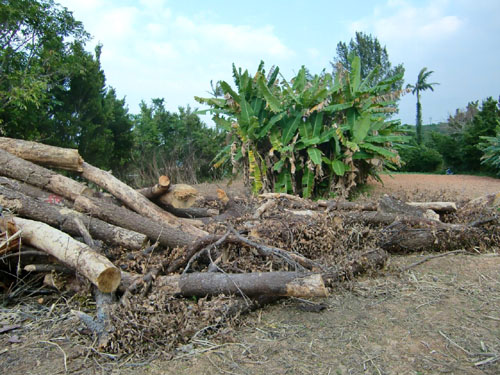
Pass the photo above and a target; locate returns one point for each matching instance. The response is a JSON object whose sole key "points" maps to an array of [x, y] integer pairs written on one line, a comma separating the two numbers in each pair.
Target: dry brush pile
{"points": [[165, 266]]}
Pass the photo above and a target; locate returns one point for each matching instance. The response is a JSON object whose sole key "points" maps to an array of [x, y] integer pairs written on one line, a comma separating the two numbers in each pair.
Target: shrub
{"points": [[421, 159], [311, 136]]}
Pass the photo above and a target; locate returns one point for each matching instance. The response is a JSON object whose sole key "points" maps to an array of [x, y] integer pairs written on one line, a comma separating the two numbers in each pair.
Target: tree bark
{"points": [[63, 218], [286, 284], [25, 171], [95, 267], [136, 201], [192, 212], [155, 191], [179, 196], [34, 192], [167, 235], [439, 207], [50, 156]]}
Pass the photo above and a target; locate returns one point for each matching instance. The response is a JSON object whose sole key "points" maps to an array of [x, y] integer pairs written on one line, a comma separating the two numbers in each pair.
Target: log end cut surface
{"points": [[109, 280]]}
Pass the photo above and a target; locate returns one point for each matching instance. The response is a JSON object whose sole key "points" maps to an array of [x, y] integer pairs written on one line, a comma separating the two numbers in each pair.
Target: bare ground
{"points": [[442, 316]]}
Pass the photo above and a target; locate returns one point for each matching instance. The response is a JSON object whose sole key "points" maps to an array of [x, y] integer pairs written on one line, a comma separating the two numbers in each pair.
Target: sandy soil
{"points": [[461, 186], [442, 316]]}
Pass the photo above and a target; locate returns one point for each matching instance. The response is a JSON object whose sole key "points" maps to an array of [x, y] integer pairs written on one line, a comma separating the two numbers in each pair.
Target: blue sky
{"points": [[172, 49]]}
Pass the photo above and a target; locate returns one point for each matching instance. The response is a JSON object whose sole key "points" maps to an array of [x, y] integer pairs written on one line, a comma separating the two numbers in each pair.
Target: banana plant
{"points": [[312, 135]]}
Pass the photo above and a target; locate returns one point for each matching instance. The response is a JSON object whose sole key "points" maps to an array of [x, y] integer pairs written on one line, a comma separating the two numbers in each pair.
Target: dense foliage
{"points": [[53, 90], [374, 60], [177, 144], [466, 141], [311, 136]]}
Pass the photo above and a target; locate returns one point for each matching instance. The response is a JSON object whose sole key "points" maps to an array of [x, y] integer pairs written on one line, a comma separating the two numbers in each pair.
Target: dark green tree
{"points": [[178, 144], [484, 124], [54, 91], [374, 59], [417, 88], [34, 39]]}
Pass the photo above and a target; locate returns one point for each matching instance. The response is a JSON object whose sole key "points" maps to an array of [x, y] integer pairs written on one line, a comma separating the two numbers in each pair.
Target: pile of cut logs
{"points": [[47, 211]]}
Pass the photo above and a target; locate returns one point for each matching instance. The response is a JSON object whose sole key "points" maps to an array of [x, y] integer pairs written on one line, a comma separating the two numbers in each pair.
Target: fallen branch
{"points": [[136, 201], [285, 284], [426, 259], [155, 191], [166, 234], [95, 267], [63, 218], [50, 156], [23, 170]]}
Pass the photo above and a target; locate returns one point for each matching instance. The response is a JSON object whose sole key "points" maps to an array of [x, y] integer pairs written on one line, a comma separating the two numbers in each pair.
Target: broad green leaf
{"points": [[290, 129], [218, 103], [228, 90], [338, 107], [284, 182], [315, 155], [277, 166], [355, 74], [379, 150], [257, 106], [305, 130], [318, 124], [339, 168], [223, 123], [273, 77], [361, 128], [299, 81], [270, 124], [272, 101], [387, 138], [307, 183], [246, 113]]}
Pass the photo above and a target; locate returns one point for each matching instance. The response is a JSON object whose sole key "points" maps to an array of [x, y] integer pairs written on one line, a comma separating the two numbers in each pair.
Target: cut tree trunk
{"points": [[95, 267], [167, 235], [439, 207], [34, 192], [63, 218], [50, 156], [286, 284], [28, 172], [179, 196], [192, 212], [136, 201], [402, 238], [155, 191]]}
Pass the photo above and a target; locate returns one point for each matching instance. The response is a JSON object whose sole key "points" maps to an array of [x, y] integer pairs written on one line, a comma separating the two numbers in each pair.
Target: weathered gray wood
{"points": [[63, 218]]}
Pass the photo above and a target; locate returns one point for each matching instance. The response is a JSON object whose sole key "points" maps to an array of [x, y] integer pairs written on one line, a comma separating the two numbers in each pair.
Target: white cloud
{"points": [[400, 22], [151, 51]]}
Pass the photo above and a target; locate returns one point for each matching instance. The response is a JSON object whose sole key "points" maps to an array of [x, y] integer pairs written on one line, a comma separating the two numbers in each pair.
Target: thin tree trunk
{"points": [[166, 234], [136, 201], [155, 191], [28, 172], [50, 156], [95, 267], [285, 284], [63, 218]]}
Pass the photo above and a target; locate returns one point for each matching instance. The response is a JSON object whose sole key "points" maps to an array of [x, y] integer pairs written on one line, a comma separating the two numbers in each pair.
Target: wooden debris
{"points": [[136, 201], [179, 196], [284, 284], [63, 218], [95, 267], [155, 191], [50, 156], [23, 170]]}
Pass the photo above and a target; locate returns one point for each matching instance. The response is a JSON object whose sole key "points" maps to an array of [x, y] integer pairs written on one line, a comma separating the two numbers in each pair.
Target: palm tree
{"points": [[421, 85]]}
